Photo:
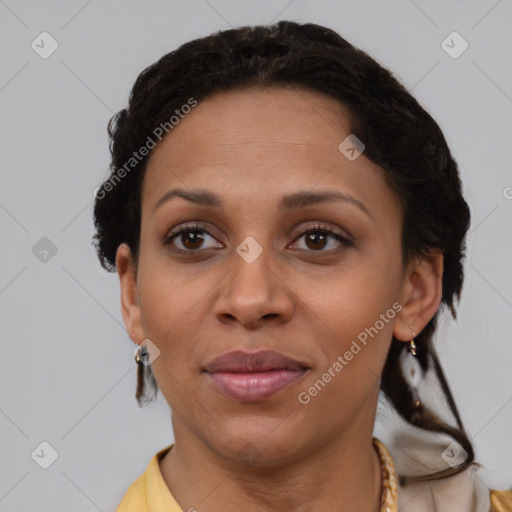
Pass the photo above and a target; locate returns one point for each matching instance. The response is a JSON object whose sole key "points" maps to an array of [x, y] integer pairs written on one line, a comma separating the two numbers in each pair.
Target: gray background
{"points": [[68, 375]]}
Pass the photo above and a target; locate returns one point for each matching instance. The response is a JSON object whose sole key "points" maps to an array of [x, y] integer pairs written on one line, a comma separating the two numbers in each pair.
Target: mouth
{"points": [[253, 377]]}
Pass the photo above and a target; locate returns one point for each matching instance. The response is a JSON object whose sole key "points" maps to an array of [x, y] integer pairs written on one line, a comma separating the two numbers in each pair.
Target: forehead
{"points": [[270, 109], [227, 124], [261, 140]]}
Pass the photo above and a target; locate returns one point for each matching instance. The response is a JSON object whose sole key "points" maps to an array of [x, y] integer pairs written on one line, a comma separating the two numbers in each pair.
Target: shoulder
{"points": [[137, 498], [415, 454], [149, 493], [501, 501]]}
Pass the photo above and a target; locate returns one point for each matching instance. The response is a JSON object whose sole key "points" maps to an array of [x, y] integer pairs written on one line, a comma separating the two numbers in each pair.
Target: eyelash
{"points": [[321, 229]]}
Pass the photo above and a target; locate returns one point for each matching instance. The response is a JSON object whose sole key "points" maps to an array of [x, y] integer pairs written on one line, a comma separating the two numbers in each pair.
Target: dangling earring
{"points": [[138, 354], [145, 353], [411, 368], [141, 354], [142, 359]]}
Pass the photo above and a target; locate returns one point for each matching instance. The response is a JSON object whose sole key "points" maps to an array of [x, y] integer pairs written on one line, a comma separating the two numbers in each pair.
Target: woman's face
{"points": [[249, 279]]}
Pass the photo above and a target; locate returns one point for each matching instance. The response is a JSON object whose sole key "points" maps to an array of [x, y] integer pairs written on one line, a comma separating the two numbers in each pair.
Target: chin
{"points": [[258, 444]]}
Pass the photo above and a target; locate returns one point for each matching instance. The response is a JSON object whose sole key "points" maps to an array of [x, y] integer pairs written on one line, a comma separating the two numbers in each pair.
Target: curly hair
{"points": [[399, 136]]}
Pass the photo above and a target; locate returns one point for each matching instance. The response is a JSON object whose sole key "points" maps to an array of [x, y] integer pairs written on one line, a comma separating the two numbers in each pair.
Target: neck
{"points": [[342, 473]]}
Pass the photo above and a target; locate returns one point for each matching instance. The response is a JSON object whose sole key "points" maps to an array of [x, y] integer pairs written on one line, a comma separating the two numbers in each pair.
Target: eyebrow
{"points": [[289, 202]]}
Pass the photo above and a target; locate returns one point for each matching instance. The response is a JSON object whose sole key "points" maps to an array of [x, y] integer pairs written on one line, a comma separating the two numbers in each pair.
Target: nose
{"points": [[254, 294]]}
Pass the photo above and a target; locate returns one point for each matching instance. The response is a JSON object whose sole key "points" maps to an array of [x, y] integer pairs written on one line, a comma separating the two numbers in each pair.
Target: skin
{"points": [[308, 301]]}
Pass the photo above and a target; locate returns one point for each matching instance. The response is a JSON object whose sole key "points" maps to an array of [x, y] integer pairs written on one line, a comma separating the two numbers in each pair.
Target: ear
{"points": [[130, 308], [420, 295]]}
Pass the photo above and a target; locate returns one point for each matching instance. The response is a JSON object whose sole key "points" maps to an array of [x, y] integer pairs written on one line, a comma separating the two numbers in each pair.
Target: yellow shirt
{"points": [[149, 493]]}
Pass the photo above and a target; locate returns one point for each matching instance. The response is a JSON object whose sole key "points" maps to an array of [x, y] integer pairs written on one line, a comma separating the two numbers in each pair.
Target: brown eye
{"points": [[190, 239], [317, 239]]}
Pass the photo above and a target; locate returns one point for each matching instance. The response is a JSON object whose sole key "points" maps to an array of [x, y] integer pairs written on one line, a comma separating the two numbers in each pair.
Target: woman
{"points": [[287, 222]]}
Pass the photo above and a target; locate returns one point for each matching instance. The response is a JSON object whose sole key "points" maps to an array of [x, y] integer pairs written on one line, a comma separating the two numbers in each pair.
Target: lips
{"points": [[253, 377], [243, 362]]}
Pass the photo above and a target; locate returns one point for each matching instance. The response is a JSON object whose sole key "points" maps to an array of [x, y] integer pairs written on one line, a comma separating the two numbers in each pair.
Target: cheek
{"points": [[174, 309], [167, 319], [349, 301], [353, 349], [355, 311], [167, 310]]}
